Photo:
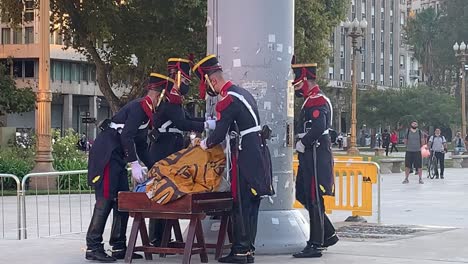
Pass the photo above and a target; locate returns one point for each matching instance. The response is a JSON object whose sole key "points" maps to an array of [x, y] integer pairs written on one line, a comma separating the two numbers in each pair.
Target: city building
{"points": [[72, 79], [383, 61]]}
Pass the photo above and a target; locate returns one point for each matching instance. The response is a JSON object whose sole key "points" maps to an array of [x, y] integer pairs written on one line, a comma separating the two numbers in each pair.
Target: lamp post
{"points": [[354, 30], [461, 53], [44, 96]]}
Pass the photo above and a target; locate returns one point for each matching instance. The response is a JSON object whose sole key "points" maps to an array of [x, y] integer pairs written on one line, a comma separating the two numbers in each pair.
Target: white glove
{"points": [[203, 144], [137, 172], [300, 147], [210, 124]]}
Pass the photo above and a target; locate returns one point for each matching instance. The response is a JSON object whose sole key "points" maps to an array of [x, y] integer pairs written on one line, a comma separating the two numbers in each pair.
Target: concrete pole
{"points": [[93, 113], [44, 96], [255, 44], [67, 116]]}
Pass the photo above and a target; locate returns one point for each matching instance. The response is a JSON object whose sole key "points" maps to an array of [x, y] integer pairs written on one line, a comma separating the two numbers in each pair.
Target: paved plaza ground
{"points": [[422, 224]]}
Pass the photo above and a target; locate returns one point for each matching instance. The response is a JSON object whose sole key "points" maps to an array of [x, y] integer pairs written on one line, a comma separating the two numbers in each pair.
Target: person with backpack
{"points": [[413, 159], [438, 147], [386, 141]]}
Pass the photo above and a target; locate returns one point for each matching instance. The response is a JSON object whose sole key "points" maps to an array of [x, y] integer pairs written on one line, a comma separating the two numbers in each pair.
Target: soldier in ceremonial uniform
{"points": [[171, 120], [122, 141], [315, 173], [251, 174]]}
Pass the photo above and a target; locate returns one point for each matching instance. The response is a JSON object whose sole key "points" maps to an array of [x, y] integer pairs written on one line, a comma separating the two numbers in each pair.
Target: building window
{"points": [[84, 72], [57, 71], [28, 35], [58, 39], [402, 61], [75, 72], [331, 73], [93, 73], [17, 68], [29, 69], [18, 36], [382, 69], [362, 77], [67, 72], [29, 13], [6, 36]]}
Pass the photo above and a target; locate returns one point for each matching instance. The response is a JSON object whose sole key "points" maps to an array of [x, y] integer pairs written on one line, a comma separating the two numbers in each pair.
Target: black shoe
{"points": [[99, 255], [234, 258], [120, 254], [330, 241], [411, 171], [310, 251], [251, 257], [441, 176]]}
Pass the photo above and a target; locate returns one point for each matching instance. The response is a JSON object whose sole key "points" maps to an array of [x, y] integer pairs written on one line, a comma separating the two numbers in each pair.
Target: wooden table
{"points": [[194, 207]]}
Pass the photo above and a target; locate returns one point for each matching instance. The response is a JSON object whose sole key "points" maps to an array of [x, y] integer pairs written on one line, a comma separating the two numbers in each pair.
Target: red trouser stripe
{"points": [[106, 183]]}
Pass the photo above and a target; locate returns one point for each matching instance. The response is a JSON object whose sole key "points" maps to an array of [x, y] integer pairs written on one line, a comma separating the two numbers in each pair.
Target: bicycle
{"points": [[432, 166]]}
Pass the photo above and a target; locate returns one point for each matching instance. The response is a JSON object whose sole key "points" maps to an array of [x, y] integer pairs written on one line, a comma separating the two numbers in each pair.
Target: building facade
{"points": [[383, 61], [72, 79]]}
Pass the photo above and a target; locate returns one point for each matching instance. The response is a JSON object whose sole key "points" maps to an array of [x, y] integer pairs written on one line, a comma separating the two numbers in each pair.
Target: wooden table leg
{"points": [[145, 239], [166, 235], [133, 237], [190, 237], [221, 236], [201, 242], [177, 231]]}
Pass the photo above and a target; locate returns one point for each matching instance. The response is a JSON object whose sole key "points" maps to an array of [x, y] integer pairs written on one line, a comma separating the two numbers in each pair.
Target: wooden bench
{"points": [[391, 165], [194, 207], [460, 161]]}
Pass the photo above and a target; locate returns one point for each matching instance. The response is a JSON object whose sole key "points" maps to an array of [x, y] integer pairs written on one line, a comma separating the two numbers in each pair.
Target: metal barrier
{"points": [[353, 188], [54, 198], [9, 209]]}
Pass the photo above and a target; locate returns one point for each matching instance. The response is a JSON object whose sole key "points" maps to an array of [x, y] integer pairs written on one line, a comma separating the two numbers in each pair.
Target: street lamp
{"points": [[354, 30], [461, 53], [44, 97]]}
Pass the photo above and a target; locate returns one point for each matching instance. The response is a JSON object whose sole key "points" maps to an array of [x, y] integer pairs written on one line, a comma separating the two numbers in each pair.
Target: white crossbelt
{"points": [[250, 130], [119, 127], [164, 128], [326, 132]]}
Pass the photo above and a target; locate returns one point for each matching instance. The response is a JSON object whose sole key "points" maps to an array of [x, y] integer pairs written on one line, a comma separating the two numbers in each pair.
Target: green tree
{"points": [[126, 40], [430, 106], [423, 30], [314, 24], [12, 99]]}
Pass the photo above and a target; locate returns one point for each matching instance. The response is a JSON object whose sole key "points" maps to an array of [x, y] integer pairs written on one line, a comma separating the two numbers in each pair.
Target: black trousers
{"points": [[244, 242], [440, 156], [321, 228], [393, 147], [115, 179], [386, 146]]}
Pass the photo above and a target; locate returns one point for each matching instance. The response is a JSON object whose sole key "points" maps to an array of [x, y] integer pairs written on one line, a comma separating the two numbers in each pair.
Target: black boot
{"points": [[330, 241], [234, 258], [99, 255], [251, 257], [120, 254], [310, 251]]}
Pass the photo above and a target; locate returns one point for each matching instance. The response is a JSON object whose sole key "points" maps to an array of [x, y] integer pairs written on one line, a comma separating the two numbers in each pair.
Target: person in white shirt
{"points": [[438, 147]]}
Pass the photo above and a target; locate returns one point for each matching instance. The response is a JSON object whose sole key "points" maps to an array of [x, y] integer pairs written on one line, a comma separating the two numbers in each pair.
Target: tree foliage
{"points": [[432, 36], [431, 107], [127, 40], [315, 21], [12, 99]]}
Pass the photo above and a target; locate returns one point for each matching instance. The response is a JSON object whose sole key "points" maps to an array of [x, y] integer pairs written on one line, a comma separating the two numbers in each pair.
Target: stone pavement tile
{"points": [[444, 247]]}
